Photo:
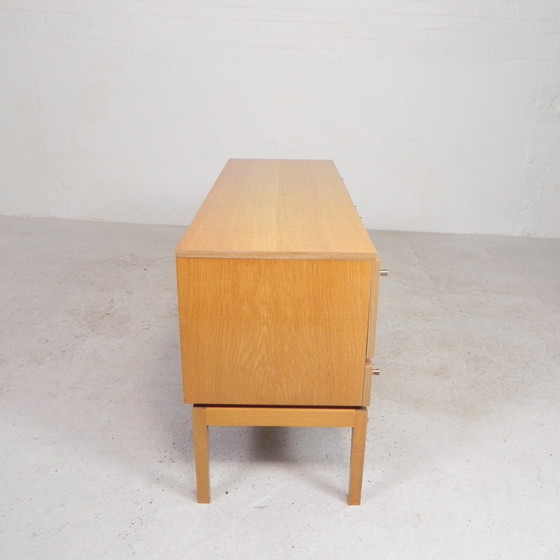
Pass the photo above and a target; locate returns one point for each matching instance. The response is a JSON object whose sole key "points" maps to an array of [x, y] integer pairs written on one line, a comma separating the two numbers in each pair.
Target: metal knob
{"points": [[383, 272], [375, 372]]}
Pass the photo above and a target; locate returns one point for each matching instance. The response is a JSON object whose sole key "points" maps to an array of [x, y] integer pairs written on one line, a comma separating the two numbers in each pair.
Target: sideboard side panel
{"points": [[274, 332]]}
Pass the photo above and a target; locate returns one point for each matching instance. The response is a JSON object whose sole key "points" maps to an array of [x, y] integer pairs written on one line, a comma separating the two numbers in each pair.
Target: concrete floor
{"points": [[96, 461]]}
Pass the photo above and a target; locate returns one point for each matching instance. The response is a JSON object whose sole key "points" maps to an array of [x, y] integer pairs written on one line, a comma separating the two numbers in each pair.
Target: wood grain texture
{"points": [[278, 209], [274, 332]]}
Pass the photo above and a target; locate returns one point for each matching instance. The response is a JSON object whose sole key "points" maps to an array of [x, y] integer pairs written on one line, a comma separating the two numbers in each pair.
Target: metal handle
{"points": [[383, 272], [375, 372]]}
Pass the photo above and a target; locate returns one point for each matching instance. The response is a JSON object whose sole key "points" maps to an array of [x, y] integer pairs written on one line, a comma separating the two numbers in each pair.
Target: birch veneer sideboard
{"points": [[277, 287]]}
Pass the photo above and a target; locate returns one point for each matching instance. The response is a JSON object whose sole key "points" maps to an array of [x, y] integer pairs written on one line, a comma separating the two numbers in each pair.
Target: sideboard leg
{"points": [[357, 454], [201, 454]]}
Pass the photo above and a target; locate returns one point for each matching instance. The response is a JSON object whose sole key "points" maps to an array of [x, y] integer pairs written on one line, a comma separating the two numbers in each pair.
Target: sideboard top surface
{"points": [[278, 209]]}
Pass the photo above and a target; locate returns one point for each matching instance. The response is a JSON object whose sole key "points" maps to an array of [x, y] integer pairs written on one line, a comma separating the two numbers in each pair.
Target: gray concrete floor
{"points": [[96, 461]]}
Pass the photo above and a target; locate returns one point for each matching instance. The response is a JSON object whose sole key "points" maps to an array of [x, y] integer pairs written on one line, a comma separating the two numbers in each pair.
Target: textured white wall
{"points": [[441, 115]]}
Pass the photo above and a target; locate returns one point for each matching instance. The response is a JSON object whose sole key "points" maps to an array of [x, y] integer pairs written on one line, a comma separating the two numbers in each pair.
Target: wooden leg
{"points": [[201, 454], [357, 457], [204, 416]]}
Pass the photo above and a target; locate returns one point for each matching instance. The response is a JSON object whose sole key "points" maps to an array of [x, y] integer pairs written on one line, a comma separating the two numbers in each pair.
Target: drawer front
{"points": [[372, 328], [274, 332]]}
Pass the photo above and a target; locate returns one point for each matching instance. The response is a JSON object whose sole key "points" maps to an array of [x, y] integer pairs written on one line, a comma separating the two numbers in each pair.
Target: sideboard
{"points": [[277, 288]]}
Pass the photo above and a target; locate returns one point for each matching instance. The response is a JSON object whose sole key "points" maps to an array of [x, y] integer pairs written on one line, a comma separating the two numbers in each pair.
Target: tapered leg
{"points": [[357, 454], [201, 454]]}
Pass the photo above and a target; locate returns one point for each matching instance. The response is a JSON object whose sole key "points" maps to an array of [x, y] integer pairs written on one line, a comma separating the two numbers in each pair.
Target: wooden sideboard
{"points": [[277, 285]]}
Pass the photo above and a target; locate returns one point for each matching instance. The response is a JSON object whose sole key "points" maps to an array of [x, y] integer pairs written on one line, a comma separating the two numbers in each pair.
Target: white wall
{"points": [[441, 115]]}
